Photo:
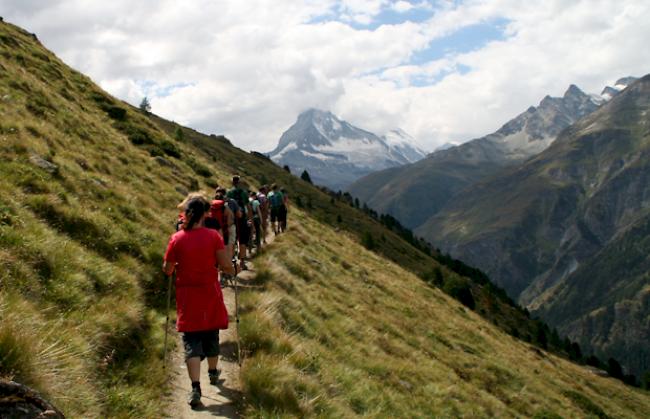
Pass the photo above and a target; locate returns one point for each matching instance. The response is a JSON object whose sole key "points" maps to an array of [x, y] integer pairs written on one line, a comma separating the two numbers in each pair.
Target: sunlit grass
{"points": [[370, 339]]}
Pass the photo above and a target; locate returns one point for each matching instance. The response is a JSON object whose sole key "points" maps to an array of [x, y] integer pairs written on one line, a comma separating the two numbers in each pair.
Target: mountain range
{"points": [[413, 193], [567, 233], [336, 153]]}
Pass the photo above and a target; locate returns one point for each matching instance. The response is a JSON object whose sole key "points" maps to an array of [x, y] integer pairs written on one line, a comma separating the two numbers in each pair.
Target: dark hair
{"points": [[235, 179], [195, 207], [274, 186]]}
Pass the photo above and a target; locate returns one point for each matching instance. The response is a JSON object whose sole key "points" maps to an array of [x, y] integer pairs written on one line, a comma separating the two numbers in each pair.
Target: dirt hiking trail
{"points": [[224, 399]]}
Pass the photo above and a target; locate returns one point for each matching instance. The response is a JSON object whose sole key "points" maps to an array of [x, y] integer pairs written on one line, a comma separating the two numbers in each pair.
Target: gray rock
{"points": [[19, 401], [163, 161], [44, 164]]}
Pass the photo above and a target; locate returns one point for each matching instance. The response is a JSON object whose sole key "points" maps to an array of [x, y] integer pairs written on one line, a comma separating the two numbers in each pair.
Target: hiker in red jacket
{"points": [[195, 253]]}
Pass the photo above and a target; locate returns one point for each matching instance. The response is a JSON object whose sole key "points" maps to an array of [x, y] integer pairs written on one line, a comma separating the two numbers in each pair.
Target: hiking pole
{"points": [[169, 298], [237, 321]]}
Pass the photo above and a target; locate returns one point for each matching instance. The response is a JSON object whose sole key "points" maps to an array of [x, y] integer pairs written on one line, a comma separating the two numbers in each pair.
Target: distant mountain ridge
{"points": [[335, 152], [568, 232], [414, 192]]}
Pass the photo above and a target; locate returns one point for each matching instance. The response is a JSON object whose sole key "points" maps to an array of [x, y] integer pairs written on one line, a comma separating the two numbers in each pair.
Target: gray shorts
{"points": [[202, 344]]}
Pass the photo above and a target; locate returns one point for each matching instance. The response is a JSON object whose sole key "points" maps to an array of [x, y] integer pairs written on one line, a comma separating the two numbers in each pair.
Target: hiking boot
{"points": [[214, 377], [194, 398]]}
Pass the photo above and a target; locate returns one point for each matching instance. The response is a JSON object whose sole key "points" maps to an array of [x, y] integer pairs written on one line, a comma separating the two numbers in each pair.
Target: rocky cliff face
{"points": [[538, 229], [335, 153]]}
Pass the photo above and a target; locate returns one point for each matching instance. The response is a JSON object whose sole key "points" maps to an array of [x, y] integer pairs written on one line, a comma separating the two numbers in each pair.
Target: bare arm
{"points": [[168, 268], [224, 262]]}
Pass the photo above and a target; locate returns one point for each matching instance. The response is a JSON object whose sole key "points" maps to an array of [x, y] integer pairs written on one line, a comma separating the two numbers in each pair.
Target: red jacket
{"points": [[199, 300]]}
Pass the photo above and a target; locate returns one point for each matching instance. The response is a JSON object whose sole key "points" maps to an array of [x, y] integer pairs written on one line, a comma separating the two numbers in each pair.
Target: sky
{"points": [[443, 71]]}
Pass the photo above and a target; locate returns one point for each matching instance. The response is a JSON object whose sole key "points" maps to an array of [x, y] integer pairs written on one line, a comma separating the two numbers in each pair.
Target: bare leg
{"points": [[242, 254], [212, 362], [194, 368]]}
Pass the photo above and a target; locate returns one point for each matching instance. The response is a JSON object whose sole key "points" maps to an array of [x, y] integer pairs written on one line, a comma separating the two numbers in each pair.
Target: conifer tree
{"points": [[179, 134], [305, 176], [145, 106]]}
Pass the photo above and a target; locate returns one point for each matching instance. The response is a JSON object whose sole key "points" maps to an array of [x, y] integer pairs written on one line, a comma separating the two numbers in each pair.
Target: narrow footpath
{"points": [[222, 400]]}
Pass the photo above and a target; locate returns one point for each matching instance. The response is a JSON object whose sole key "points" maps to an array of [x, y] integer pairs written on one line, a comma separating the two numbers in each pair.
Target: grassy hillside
{"points": [[85, 211], [332, 338], [88, 192]]}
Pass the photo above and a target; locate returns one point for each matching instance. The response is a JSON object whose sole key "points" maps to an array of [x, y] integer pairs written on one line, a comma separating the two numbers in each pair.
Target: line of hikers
{"points": [[203, 249]]}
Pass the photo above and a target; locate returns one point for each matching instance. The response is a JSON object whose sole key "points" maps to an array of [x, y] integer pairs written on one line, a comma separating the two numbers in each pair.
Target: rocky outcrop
{"points": [[18, 401]]}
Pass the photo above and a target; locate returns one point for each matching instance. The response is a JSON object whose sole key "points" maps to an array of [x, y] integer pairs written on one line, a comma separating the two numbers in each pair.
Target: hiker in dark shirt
{"points": [[257, 220], [245, 221], [277, 201]]}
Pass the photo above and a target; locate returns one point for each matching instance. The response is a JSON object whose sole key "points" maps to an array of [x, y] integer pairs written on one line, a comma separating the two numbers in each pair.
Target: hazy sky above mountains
{"points": [[441, 70]]}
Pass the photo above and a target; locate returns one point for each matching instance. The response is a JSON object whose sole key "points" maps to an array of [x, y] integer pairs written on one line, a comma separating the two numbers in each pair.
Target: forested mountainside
{"points": [[565, 233], [89, 187]]}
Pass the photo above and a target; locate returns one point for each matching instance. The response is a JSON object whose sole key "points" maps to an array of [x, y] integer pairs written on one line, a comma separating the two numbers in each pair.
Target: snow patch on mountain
{"points": [[404, 144], [286, 149]]}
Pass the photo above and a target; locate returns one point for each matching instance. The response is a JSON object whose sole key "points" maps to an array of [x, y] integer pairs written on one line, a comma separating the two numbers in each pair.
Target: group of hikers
{"points": [[213, 240]]}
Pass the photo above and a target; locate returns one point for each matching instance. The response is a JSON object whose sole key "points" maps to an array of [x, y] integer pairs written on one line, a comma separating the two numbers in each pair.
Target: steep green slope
{"points": [[332, 339], [534, 226], [85, 211]]}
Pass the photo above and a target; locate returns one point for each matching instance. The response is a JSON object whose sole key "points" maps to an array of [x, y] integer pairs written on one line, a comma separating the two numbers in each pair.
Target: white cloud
{"points": [[402, 6], [247, 68]]}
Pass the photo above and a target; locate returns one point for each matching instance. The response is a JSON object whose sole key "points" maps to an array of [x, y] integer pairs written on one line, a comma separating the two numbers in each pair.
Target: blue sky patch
{"points": [[466, 39], [152, 89]]}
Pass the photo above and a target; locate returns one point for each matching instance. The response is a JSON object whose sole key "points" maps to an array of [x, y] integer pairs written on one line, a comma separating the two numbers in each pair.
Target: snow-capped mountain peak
{"points": [[336, 152]]}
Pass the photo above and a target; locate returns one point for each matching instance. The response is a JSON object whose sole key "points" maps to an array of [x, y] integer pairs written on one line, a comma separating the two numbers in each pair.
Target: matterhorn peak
{"points": [[336, 153]]}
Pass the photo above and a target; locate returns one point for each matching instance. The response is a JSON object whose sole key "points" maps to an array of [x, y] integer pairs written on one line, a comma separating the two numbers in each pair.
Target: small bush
{"points": [[116, 112], [198, 168], [585, 404], [461, 291], [367, 240], [170, 148], [545, 414], [179, 135]]}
